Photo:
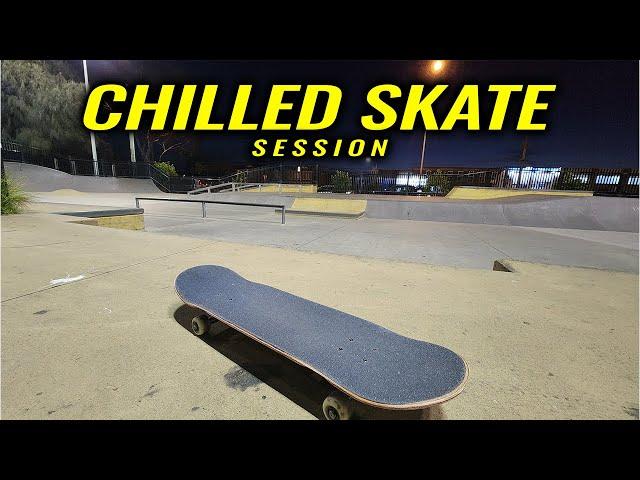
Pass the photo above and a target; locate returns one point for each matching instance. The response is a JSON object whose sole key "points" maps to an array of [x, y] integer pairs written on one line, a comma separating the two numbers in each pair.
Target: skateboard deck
{"points": [[369, 363]]}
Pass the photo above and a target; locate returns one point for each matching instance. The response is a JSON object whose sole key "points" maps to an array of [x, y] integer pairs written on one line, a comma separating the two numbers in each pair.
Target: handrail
{"points": [[203, 202], [227, 187], [209, 188]]}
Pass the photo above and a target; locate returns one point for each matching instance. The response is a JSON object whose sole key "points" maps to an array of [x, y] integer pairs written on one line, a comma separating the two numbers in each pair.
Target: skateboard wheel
{"points": [[200, 325], [337, 407]]}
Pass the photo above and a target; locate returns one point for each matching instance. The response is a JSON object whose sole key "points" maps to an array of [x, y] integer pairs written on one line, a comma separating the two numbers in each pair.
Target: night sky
{"points": [[592, 118]]}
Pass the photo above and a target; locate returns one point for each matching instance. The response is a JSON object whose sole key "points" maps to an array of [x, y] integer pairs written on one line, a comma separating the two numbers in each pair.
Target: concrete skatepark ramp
{"points": [[553, 211], [544, 211], [584, 213], [42, 179]]}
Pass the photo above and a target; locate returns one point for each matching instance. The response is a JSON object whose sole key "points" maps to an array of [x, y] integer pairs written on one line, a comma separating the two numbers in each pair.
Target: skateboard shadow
{"points": [[297, 383]]}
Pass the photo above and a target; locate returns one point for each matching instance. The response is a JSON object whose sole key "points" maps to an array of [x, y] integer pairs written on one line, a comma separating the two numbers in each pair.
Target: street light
{"points": [[132, 145], [94, 152], [437, 66]]}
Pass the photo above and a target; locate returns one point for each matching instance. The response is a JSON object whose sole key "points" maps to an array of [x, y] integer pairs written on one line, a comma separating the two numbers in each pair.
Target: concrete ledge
{"points": [[324, 214], [329, 206], [105, 213], [502, 266], [484, 193], [125, 222]]}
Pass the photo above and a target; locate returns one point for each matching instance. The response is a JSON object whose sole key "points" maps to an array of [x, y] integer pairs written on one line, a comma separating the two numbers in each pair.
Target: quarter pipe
{"points": [[42, 179]]}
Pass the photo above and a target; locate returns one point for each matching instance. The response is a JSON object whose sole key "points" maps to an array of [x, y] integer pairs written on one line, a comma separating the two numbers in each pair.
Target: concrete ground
{"points": [[437, 243], [545, 341]]}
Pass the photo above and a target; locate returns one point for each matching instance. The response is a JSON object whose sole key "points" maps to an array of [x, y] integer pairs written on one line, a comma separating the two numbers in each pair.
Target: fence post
{"points": [[622, 183], [592, 179], [204, 210], [559, 181], [283, 215], [113, 169], [55, 163], [73, 166]]}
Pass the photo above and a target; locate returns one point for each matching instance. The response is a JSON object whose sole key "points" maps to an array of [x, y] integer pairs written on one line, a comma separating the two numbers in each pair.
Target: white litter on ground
{"points": [[67, 279]]}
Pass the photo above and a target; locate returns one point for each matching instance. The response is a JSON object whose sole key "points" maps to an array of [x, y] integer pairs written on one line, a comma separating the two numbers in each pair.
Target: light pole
{"points": [[132, 147], [94, 152], [436, 68], [132, 143], [424, 141]]}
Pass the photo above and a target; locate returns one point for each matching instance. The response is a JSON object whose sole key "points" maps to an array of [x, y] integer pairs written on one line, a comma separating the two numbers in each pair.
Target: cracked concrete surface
{"points": [[547, 341]]}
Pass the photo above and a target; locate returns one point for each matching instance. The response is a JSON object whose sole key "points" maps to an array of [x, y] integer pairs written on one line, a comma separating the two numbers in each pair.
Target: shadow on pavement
{"points": [[297, 383]]}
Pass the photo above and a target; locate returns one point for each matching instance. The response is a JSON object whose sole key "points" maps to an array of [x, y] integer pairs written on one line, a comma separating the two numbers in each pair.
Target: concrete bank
{"points": [[42, 179], [586, 213], [543, 342], [580, 212]]}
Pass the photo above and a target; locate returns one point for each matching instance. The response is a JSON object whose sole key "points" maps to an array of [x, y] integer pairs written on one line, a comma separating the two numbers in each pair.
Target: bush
{"points": [[572, 182], [167, 168], [241, 177], [341, 182], [42, 107], [439, 182], [14, 197]]}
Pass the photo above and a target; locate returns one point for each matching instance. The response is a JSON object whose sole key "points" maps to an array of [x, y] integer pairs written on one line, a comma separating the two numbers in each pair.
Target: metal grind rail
{"points": [[204, 202]]}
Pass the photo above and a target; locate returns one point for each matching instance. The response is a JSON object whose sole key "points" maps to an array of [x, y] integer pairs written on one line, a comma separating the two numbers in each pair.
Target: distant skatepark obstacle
{"points": [[41, 179], [528, 210]]}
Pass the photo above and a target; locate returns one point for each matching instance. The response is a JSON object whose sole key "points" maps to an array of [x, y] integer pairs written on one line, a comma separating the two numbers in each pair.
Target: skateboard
{"points": [[364, 362]]}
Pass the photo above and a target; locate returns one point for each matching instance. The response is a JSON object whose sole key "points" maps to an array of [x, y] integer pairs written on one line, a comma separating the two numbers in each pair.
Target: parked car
{"points": [[400, 189]]}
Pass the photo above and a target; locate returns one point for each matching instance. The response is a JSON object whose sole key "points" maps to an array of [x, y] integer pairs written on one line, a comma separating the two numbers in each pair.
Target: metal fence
{"points": [[439, 181], [432, 181], [16, 152], [601, 181], [171, 183], [267, 174], [398, 182], [344, 180]]}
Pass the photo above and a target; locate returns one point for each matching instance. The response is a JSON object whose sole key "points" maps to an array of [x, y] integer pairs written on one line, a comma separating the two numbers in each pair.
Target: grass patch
{"points": [[14, 198]]}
